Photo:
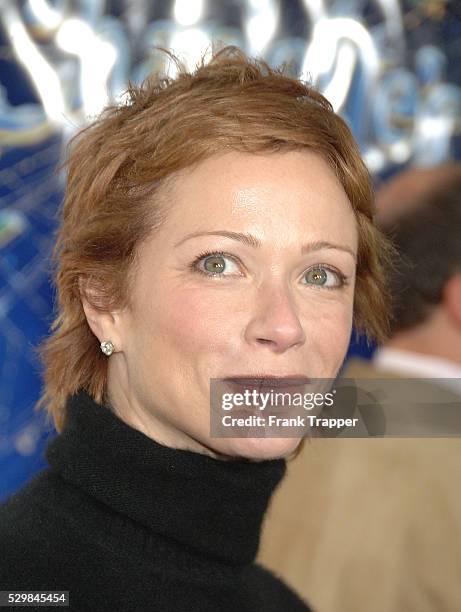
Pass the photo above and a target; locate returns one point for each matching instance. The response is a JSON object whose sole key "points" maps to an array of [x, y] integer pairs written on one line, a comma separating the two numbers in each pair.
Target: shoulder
{"points": [[20, 513], [271, 591], [31, 504], [32, 531]]}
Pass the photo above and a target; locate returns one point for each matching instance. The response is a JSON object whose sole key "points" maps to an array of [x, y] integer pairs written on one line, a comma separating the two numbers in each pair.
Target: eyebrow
{"points": [[252, 241]]}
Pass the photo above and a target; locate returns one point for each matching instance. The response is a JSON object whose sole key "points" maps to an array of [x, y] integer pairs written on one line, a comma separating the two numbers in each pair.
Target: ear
{"points": [[103, 324], [452, 298]]}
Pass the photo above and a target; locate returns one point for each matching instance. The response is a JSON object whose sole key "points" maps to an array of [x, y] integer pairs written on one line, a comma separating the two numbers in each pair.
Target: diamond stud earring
{"points": [[107, 347]]}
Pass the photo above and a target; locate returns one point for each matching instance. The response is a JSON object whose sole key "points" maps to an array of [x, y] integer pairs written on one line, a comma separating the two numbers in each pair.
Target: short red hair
{"points": [[119, 168]]}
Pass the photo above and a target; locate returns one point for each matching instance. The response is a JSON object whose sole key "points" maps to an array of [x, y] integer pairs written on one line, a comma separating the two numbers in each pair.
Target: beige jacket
{"points": [[370, 524]]}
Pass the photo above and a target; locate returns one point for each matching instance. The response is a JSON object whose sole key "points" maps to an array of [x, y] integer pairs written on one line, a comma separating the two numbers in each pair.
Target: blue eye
{"points": [[319, 276], [215, 263]]}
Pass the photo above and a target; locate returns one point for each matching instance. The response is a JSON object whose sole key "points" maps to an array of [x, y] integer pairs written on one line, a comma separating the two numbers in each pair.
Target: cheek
{"points": [[194, 321], [329, 327]]}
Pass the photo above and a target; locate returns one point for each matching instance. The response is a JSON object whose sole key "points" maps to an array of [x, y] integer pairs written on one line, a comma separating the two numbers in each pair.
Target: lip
{"points": [[272, 377], [290, 385], [258, 382]]}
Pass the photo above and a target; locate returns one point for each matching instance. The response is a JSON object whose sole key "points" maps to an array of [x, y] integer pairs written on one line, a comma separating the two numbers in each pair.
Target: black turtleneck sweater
{"points": [[126, 524]]}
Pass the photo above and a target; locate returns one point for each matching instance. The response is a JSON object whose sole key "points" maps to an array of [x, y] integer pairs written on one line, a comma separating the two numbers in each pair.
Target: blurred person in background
{"points": [[375, 524]]}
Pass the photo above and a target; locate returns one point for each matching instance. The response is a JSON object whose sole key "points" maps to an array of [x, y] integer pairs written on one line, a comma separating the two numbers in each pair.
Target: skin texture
{"points": [[261, 315]]}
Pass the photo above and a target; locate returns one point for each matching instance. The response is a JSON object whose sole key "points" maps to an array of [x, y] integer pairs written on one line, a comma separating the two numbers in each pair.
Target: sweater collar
{"points": [[208, 505]]}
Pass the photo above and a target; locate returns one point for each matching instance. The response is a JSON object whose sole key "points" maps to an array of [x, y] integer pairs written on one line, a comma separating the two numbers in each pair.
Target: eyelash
{"points": [[343, 280]]}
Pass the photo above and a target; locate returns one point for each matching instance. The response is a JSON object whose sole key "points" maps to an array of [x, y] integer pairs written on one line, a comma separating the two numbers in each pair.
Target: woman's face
{"points": [[227, 287]]}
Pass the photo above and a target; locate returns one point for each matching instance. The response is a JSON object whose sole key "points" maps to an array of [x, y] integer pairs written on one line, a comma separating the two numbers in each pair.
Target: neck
{"points": [[211, 507]]}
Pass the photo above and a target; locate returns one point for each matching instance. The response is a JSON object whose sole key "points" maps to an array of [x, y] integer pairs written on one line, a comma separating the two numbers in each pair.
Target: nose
{"points": [[275, 322]]}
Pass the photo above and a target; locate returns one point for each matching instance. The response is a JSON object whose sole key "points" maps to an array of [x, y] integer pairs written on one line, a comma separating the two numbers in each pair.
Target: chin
{"points": [[259, 449]]}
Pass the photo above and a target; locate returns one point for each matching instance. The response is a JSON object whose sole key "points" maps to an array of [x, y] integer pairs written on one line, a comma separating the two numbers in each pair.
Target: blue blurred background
{"points": [[391, 68]]}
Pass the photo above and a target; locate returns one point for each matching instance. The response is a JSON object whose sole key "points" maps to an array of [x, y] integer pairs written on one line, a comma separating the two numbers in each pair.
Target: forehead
{"points": [[296, 190], [240, 166], [284, 199], [275, 176]]}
